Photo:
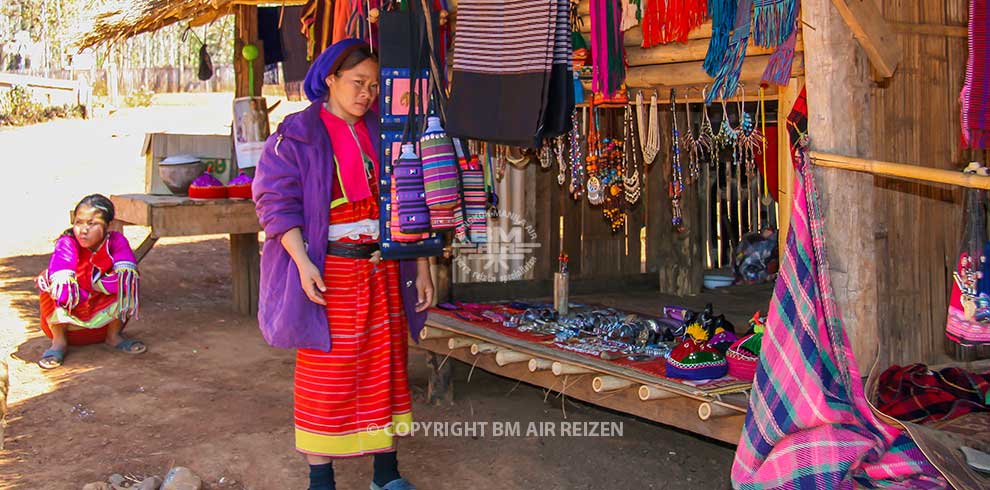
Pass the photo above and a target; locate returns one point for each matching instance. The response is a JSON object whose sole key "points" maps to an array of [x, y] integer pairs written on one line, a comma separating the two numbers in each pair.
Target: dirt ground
{"points": [[211, 395]]}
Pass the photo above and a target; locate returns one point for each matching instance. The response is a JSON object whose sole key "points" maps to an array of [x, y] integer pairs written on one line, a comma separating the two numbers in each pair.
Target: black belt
{"points": [[352, 250]]}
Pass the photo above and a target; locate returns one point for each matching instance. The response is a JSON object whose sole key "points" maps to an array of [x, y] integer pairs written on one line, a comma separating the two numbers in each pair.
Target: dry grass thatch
{"points": [[125, 18]]}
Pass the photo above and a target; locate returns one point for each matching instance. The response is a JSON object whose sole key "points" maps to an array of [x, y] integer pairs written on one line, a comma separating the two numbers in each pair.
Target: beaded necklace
{"points": [[676, 177], [652, 146], [630, 181], [558, 151], [577, 159], [596, 194], [693, 145]]}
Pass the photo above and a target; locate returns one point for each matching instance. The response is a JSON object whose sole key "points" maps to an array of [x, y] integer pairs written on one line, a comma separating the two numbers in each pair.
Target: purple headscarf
{"points": [[326, 63]]}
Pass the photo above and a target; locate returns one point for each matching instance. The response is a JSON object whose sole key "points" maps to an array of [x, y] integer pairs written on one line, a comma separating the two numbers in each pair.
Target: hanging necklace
{"points": [[707, 134], [726, 136], [546, 154], [558, 151], [692, 144], [630, 181], [594, 186], [652, 146], [641, 128], [750, 139], [676, 176], [577, 159]]}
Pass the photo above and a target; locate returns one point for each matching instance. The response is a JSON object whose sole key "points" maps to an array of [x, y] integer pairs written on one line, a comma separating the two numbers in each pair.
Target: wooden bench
{"points": [[174, 216]]}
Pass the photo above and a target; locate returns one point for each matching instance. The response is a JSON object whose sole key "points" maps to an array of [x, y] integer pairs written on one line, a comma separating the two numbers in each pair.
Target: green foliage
{"points": [[139, 98], [17, 108]]}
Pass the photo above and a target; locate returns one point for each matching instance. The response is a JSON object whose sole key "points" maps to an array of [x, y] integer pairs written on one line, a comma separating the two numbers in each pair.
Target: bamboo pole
{"points": [[900, 170], [539, 365], [609, 383], [693, 50], [693, 91], [483, 348], [434, 333], [560, 368], [634, 36], [708, 410], [647, 392], [459, 342], [504, 357]]}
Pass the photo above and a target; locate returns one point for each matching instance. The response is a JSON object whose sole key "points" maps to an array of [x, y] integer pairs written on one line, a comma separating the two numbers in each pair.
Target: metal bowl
{"points": [[179, 172]]}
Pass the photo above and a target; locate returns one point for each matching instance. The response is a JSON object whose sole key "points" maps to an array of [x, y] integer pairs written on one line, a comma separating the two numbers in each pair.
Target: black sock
{"points": [[321, 477], [386, 468]]}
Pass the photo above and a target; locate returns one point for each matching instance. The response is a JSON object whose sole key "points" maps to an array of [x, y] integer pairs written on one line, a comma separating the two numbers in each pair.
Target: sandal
{"points": [[126, 346], [51, 358], [400, 484]]}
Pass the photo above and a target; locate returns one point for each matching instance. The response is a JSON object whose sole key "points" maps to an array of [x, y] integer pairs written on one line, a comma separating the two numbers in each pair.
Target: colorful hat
{"points": [[207, 186], [744, 355], [696, 360], [240, 187], [723, 339]]}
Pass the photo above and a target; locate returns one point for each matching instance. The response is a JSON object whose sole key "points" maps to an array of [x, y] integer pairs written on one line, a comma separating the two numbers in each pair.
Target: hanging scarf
{"points": [[975, 94], [607, 49], [666, 21], [727, 77], [809, 424], [630, 15], [773, 21], [723, 13], [778, 70]]}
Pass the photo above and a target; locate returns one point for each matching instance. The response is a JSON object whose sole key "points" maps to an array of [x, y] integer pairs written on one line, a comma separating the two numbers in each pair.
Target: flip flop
{"points": [[126, 345], [400, 484], [54, 356]]}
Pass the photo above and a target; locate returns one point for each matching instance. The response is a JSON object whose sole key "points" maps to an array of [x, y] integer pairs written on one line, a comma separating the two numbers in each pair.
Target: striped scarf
{"points": [[975, 94], [809, 424]]}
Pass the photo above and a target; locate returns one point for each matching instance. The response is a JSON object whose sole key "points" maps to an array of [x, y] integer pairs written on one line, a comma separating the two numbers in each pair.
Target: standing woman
{"points": [[325, 289]]}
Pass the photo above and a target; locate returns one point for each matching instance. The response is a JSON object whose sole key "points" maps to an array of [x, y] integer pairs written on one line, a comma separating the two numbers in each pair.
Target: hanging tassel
{"points": [[774, 21], [727, 76], [723, 13], [127, 290], [64, 288], [778, 71]]}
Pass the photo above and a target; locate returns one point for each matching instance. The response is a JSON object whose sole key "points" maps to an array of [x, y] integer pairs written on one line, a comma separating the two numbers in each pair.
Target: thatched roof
{"points": [[127, 18]]}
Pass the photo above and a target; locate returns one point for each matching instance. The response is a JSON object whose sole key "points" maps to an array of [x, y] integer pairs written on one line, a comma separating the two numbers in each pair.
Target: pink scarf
{"points": [[348, 156]]}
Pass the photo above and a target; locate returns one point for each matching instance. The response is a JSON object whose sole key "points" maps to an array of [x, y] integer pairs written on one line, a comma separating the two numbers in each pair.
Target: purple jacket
{"points": [[292, 189]]}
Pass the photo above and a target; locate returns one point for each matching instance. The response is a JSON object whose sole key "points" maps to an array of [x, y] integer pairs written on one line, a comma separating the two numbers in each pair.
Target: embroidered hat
{"points": [[240, 187], [744, 355], [696, 360], [207, 186]]}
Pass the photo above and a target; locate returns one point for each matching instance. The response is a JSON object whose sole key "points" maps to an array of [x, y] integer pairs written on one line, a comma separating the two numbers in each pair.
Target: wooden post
{"points": [[245, 271], [785, 161], [838, 80], [246, 32], [440, 390]]}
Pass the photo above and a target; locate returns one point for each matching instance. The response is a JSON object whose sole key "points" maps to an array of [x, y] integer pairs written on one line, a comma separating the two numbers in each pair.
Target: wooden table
{"points": [[173, 216]]}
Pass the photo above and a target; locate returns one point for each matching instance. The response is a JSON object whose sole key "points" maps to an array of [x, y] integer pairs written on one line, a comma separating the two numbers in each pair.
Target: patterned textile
{"points": [[345, 398], [666, 21], [916, 394], [475, 199], [316, 26], [509, 76], [975, 94], [440, 177], [809, 424]]}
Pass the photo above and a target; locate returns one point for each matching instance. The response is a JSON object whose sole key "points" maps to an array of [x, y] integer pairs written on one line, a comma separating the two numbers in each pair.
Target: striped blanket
{"points": [[809, 424]]}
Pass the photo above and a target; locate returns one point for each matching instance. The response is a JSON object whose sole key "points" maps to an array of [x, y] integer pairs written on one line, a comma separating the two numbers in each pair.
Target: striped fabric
{"points": [[440, 177], [809, 424], [475, 199], [410, 194], [503, 36], [976, 91], [317, 26], [512, 82], [345, 398]]}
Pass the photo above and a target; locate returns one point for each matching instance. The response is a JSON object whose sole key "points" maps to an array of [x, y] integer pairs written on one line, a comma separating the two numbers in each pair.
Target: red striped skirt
{"points": [[348, 401]]}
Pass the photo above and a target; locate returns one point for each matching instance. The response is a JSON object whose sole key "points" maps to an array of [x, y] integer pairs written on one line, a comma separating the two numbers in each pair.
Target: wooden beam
{"points": [[900, 170], [693, 50], [937, 30], [873, 33], [785, 165], [245, 272], [693, 73]]}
